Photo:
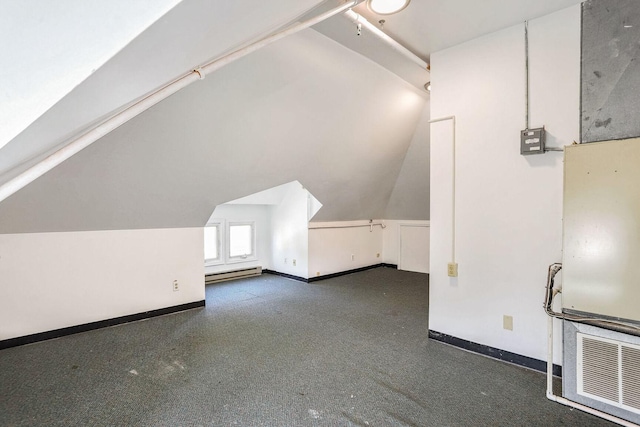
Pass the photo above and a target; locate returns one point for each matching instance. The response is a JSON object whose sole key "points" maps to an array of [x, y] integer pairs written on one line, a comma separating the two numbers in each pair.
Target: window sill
{"points": [[239, 260]]}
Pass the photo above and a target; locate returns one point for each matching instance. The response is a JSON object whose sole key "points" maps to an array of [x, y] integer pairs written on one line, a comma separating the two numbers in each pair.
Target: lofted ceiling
{"points": [[295, 110], [48, 48], [189, 34], [343, 114]]}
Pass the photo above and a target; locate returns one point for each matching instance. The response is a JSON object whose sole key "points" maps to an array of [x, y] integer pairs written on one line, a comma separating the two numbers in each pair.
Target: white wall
{"points": [[331, 245], [319, 248], [54, 280], [289, 236], [330, 249], [258, 213], [391, 238], [391, 241], [508, 214]]}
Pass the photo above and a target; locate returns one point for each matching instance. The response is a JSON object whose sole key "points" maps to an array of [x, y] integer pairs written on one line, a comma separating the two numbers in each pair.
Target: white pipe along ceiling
{"points": [[359, 19], [198, 73]]}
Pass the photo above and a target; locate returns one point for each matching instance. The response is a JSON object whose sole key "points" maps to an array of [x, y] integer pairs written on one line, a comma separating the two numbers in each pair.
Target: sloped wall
{"points": [[305, 108], [410, 197], [48, 48], [191, 33]]}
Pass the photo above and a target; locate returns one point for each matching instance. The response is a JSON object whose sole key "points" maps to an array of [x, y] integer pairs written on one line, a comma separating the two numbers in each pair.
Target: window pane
{"points": [[240, 240], [211, 242]]}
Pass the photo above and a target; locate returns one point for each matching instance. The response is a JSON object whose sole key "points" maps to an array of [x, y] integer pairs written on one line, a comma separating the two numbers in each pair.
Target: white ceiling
{"points": [[50, 47], [300, 109], [427, 26], [424, 26], [305, 108], [191, 33]]}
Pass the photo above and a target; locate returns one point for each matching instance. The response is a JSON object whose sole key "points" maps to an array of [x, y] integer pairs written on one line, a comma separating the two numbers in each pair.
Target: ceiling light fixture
{"points": [[387, 7]]}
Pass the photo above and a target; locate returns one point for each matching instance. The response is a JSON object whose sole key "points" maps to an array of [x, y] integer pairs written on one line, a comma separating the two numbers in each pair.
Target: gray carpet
{"points": [[269, 351]]}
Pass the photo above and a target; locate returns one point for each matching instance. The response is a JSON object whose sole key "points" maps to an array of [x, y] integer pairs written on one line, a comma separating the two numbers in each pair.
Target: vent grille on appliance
{"points": [[600, 369], [609, 371], [230, 275], [631, 376]]}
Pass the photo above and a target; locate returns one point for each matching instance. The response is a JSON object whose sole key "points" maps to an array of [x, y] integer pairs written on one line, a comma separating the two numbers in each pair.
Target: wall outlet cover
{"points": [[507, 322], [452, 269]]}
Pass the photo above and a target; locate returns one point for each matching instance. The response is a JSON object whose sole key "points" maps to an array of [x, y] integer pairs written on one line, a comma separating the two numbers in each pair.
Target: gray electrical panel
{"points": [[532, 141]]}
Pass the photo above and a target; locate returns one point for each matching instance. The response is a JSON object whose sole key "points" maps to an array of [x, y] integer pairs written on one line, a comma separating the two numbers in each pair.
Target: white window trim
{"points": [[239, 259], [221, 243]]}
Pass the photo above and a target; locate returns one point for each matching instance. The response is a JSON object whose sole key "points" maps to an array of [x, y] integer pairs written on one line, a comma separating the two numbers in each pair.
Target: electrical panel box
{"points": [[601, 236], [532, 141]]}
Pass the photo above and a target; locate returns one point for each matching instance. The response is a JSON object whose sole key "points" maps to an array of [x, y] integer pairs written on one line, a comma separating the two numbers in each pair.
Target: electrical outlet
{"points": [[353, 257], [176, 286], [317, 273], [507, 322], [294, 262], [452, 269], [285, 260], [378, 255]]}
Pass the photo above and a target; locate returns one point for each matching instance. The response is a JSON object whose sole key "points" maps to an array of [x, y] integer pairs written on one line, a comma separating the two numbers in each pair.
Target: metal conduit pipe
{"points": [[624, 328], [359, 19], [453, 182], [548, 301], [110, 124], [370, 225]]}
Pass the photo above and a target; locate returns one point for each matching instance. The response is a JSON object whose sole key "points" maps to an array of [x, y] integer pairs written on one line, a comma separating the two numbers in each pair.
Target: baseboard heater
{"points": [[231, 275]]}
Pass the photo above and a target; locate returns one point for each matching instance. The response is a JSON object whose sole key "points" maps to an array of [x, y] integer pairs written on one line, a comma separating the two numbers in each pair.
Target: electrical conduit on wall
{"points": [[453, 189]]}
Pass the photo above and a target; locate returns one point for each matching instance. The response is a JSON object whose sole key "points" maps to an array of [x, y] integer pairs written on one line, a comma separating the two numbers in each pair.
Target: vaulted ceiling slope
{"points": [[410, 197], [189, 34], [48, 48], [305, 108]]}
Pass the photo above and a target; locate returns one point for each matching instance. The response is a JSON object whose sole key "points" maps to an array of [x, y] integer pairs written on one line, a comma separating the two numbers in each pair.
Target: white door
{"points": [[414, 248]]}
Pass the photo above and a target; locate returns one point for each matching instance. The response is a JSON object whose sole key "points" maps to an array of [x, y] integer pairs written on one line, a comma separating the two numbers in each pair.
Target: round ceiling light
{"points": [[387, 7]]}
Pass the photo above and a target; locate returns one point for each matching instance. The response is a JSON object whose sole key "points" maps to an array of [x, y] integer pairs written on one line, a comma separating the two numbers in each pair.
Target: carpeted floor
{"points": [[269, 351]]}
